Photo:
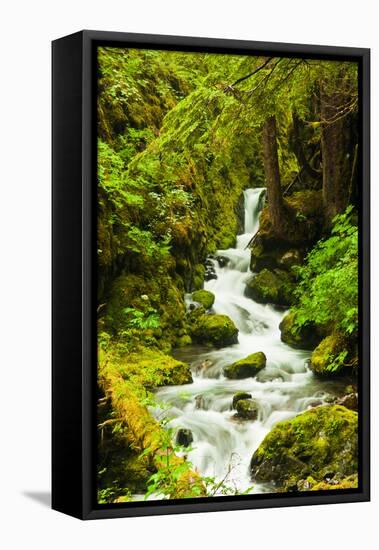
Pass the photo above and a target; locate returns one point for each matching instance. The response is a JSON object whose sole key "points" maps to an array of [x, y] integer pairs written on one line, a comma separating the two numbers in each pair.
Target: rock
{"points": [[200, 402], [184, 437], [184, 340], [290, 258], [204, 298], [238, 396], [274, 287], [349, 482], [244, 368], [210, 274], [325, 354], [301, 338], [349, 401], [321, 441], [247, 409], [218, 330], [222, 261]]}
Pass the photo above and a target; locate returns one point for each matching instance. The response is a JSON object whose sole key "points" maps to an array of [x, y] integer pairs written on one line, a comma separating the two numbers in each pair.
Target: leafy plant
{"points": [[328, 282]]}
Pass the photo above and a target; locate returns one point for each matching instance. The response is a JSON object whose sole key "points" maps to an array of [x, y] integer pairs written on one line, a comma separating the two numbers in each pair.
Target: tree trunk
{"points": [[271, 166], [336, 147]]}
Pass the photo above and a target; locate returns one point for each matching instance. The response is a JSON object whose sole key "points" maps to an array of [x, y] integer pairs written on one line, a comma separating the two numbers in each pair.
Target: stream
{"points": [[222, 444]]}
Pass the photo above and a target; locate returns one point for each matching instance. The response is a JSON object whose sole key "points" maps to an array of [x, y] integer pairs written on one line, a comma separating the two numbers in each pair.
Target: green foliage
{"points": [[328, 288]]}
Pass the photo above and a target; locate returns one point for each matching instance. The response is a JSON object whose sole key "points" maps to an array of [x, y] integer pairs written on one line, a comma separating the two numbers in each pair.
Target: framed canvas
{"points": [[210, 275]]}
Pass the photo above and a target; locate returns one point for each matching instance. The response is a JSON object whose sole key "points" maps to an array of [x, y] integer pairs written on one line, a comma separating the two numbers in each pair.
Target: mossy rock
{"points": [[204, 297], [238, 396], [183, 341], [247, 409], [271, 287], [247, 367], [325, 354], [152, 368], [321, 442], [349, 482], [218, 330], [306, 337]]}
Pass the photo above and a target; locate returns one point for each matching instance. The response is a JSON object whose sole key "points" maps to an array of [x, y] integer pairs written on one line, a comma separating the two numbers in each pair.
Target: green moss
{"points": [[204, 297], [247, 409], [324, 359], [306, 337], [151, 368], [218, 330], [275, 287], [349, 482], [239, 395], [320, 442], [247, 367], [145, 293], [183, 341]]}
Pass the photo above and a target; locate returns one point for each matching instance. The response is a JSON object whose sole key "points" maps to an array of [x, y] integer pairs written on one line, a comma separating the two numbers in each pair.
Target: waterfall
{"points": [[223, 445]]}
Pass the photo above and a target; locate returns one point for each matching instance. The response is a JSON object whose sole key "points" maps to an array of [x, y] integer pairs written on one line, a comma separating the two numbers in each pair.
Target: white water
{"points": [[283, 389]]}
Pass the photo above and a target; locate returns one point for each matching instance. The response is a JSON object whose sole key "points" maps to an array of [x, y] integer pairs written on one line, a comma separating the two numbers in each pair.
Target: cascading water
{"points": [[223, 445]]}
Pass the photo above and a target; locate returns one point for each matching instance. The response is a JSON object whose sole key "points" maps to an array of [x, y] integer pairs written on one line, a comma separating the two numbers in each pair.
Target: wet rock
{"points": [[247, 367], [271, 287], [183, 341], [222, 261], [247, 409], [290, 258], [203, 366], [184, 437], [200, 402], [218, 330], [204, 298], [325, 354], [238, 396], [298, 337], [321, 441], [210, 273], [349, 401]]}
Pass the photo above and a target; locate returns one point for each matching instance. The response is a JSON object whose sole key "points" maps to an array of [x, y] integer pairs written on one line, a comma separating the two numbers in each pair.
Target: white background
{"points": [[27, 29]]}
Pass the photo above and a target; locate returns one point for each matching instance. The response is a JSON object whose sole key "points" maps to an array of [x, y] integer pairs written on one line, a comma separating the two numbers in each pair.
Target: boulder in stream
{"points": [[238, 396], [204, 298], [324, 356], [247, 409], [184, 437], [247, 367], [305, 337], [321, 442], [218, 330]]}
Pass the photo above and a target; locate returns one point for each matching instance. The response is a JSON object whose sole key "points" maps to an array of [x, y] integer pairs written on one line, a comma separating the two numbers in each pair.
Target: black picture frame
{"points": [[74, 275]]}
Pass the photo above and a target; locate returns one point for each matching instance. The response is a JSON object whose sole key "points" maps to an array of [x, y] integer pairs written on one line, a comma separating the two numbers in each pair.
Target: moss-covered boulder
{"points": [[238, 396], [325, 358], [204, 298], [152, 368], [305, 337], [274, 287], [349, 482], [321, 442], [247, 409], [247, 367], [267, 256], [218, 330]]}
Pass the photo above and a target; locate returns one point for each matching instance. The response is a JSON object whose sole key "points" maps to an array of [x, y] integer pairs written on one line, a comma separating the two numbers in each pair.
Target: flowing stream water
{"points": [[222, 444]]}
